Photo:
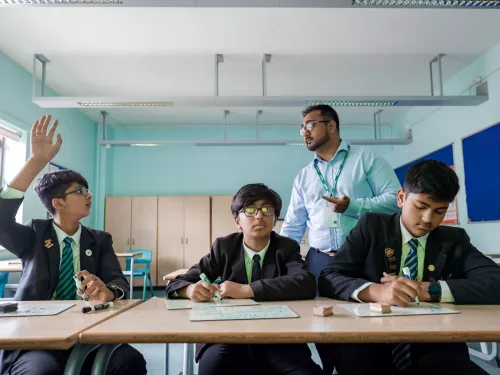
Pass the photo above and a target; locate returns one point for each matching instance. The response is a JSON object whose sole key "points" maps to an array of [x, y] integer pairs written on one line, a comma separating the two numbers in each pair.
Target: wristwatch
{"points": [[434, 291], [118, 293]]}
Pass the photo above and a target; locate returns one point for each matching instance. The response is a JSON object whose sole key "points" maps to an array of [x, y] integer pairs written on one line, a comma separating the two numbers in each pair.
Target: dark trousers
{"points": [[124, 361], [427, 359], [317, 261], [242, 359]]}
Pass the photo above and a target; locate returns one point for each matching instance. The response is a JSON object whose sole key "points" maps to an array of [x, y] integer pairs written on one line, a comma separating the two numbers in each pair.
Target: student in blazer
{"points": [[53, 251], [444, 265], [258, 264]]}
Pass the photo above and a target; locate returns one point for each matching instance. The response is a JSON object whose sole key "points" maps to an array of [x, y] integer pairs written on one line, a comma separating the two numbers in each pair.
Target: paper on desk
{"points": [[38, 310], [242, 313], [363, 310], [181, 304]]}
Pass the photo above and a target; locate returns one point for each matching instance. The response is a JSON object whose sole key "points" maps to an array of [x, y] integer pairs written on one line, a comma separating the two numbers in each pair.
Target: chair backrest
{"points": [[145, 259], [4, 278]]}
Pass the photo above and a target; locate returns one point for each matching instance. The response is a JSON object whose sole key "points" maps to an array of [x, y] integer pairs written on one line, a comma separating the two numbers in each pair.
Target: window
{"points": [[12, 158]]}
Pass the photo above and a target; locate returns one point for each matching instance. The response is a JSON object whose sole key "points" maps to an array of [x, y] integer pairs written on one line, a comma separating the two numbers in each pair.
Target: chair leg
{"points": [[144, 287], [151, 286]]}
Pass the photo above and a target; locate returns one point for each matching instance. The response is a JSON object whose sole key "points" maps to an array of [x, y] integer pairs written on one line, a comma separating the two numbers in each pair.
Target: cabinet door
{"points": [[118, 221], [196, 229], [170, 235], [144, 230], [222, 219]]}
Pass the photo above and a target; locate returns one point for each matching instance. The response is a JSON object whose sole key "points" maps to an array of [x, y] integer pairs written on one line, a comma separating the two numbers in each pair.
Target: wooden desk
{"points": [[10, 266], [173, 275], [57, 331], [131, 272], [151, 322]]}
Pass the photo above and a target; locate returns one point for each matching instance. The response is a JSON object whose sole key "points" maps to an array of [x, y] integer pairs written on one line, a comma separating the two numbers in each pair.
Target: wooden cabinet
{"points": [[222, 219], [132, 221], [183, 232]]}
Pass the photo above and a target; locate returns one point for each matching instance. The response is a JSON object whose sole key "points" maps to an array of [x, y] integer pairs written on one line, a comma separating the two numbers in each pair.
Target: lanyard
{"points": [[323, 181]]}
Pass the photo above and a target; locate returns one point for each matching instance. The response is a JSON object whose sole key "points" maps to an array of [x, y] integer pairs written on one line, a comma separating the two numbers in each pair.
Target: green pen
{"points": [[206, 279], [406, 273]]}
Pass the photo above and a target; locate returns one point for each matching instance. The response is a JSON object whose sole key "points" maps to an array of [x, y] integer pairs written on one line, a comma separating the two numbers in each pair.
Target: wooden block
{"points": [[323, 310], [383, 308]]}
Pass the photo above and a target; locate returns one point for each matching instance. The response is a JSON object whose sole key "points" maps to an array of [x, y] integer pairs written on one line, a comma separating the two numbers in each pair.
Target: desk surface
{"points": [[57, 331], [151, 322], [173, 275], [128, 255], [10, 266]]}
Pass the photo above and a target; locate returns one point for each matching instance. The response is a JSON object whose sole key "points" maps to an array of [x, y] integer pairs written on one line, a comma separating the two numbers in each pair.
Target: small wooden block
{"points": [[383, 308], [323, 310]]}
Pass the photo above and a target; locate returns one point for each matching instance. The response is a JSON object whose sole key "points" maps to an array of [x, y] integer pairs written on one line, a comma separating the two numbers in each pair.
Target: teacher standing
{"points": [[339, 185]]}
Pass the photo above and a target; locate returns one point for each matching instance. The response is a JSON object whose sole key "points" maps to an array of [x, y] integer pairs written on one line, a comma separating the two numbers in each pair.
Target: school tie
{"points": [[66, 289], [256, 271], [401, 353]]}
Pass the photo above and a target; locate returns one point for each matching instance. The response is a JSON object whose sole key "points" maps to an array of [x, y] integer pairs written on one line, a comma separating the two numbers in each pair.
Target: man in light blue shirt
{"points": [[341, 184]]}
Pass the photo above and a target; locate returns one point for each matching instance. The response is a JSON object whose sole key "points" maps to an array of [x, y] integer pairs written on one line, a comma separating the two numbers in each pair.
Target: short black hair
{"points": [[252, 193], [434, 178], [53, 185], [325, 110]]}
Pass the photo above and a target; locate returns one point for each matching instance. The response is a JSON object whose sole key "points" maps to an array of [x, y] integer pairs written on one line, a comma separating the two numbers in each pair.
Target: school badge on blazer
{"points": [[48, 244], [389, 252]]}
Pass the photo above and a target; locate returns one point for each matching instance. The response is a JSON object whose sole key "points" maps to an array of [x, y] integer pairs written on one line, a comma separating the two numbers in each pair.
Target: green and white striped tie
{"points": [[66, 289]]}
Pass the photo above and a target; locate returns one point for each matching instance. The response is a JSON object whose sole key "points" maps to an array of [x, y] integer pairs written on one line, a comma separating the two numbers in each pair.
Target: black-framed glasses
{"points": [[309, 125], [82, 190], [253, 211]]}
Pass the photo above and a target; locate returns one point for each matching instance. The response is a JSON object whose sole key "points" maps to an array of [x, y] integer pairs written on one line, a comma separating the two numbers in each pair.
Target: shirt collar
{"points": [[407, 237], [251, 253], [61, 235], [343, 146]]}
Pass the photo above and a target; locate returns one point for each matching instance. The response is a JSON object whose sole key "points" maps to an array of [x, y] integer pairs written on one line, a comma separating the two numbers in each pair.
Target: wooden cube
{"points": [[383, 308], [323, 310]]}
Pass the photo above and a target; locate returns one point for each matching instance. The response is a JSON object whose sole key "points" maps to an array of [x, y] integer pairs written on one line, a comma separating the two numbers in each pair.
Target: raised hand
{"points": [[42, 147]]}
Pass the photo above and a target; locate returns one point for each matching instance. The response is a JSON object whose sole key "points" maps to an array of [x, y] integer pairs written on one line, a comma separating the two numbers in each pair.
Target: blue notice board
{"points": [[482, 174]]}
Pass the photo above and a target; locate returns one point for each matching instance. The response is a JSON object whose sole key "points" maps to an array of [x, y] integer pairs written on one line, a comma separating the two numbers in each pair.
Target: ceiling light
{"points": [[353, 103], [124, 104], [428, 3]]}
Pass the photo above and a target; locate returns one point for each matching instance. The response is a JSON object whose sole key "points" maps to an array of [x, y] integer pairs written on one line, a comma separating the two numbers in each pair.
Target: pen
{"points": [[406, 273], [217, 294], [99, 306]]}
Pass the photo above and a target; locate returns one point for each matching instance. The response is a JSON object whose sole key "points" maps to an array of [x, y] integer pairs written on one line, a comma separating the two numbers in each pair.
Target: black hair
{"points": [[252, 193], [325, 111], [53, 185], [434, 178]]}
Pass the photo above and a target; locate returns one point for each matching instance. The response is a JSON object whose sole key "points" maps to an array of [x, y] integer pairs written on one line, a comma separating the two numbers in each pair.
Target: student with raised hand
{"points": [[444, 267], [257, 264], [53, 251]]}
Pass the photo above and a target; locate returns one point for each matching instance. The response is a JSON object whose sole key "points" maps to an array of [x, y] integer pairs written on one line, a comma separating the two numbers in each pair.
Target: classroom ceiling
{"points": [[170, 51]]}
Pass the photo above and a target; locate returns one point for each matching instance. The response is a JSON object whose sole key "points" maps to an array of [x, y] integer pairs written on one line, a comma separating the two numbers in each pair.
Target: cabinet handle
{"points": [[133, 241], [182, 239], [186, 240], [128, 241]]}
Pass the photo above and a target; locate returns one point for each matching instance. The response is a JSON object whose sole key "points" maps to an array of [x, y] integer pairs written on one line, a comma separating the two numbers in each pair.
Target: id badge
{"points": [[330, 218]]}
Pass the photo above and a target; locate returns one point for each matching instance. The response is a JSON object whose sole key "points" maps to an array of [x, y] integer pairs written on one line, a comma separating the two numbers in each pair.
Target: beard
{"points": [[317, 144]]}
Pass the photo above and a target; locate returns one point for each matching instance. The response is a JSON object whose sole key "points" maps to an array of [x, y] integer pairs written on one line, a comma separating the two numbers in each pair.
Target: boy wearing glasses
{"points": [[257, 264], [53, 251]]}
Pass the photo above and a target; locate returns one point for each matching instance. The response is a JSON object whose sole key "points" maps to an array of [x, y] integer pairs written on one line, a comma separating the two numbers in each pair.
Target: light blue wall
{"points": [[438, 128], [78, 131]]}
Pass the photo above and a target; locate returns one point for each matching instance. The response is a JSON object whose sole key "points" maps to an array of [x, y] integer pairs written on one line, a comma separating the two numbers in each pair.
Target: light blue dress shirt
{"points": [[368, 180]]}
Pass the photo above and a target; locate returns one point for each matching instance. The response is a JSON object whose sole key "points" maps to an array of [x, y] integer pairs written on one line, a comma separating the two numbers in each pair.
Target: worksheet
{"points": [[180, 304], [38, 310], [242, 313], [363, 310]]}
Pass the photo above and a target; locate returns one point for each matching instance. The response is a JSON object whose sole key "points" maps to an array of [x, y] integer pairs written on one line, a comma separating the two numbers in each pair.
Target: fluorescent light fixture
{"points": [[61, 2], [100, 104], [226, 102], [427, 3]]}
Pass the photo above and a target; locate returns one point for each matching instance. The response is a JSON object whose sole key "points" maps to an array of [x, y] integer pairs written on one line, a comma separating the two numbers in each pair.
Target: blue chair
{"points": [[4, 278], [143, 272]]}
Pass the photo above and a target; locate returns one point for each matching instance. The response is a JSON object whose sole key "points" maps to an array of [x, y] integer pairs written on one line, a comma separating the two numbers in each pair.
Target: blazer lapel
{"points": [[435, 258], [51, 244], [393, 248], [87, 253], [269, 263], [238, 272]]}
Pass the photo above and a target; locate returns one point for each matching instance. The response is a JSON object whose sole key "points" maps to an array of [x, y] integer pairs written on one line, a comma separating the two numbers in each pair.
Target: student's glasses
{"points": [[309, 125], [253, 211], [82, 190]]}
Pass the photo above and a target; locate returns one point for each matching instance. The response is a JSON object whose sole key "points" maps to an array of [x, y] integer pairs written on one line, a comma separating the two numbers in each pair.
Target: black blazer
{"points": [[284, 273], [41, 265], [374, 246]]}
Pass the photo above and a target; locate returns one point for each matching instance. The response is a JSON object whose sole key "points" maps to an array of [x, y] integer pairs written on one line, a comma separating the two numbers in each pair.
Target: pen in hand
{"points": [[406, 273], [217, 294]]}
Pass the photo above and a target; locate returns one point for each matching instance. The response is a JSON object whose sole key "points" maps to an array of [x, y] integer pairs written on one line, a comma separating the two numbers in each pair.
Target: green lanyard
{"points": [[320, 175]]}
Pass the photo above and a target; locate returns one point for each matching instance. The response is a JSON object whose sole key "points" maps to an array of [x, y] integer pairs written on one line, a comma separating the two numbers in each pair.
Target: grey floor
{"points": [[154, 354]]}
